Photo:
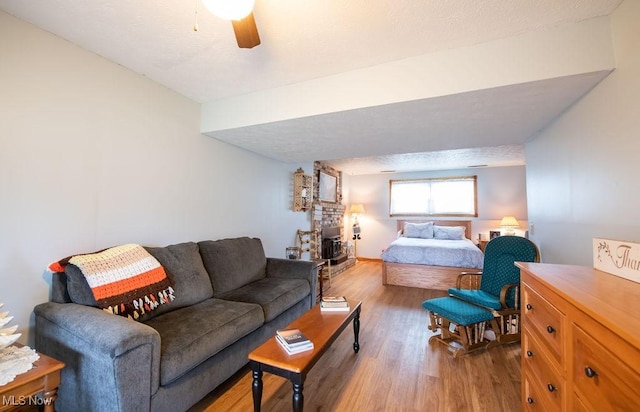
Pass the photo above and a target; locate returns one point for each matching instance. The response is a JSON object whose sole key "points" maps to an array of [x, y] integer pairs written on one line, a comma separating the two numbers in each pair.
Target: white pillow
{"points": [[449, 232], [419, 230]]}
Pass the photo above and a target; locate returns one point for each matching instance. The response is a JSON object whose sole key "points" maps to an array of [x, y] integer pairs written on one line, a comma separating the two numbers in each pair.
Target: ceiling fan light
{"points": [[230, 9]]}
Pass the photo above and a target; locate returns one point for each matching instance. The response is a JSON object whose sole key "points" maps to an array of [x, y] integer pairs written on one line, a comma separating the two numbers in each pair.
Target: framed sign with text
{"points": [[617, 257]]}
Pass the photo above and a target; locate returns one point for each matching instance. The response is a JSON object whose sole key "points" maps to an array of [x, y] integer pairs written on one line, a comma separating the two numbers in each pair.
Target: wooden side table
{"points": [[482, 244], [320, 266], [43, 378]]}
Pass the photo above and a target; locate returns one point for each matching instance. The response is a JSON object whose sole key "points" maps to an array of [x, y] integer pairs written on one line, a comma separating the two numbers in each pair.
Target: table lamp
{"points": [[356, 209], [509, 223]]}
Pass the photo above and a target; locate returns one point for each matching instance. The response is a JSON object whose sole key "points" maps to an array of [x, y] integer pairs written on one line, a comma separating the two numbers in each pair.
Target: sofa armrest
{"points": [[295, 269], [111, 363]]}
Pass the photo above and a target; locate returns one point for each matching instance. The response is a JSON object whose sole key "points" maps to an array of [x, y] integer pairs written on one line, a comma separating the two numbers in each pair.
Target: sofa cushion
{"points": [[233, 263], [125, 280], [274, 295], [78, 288], [195, 333], [184, 266]]}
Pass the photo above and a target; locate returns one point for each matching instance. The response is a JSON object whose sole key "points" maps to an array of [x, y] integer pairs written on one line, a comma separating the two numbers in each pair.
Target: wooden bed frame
{"points": [[425, 276]]}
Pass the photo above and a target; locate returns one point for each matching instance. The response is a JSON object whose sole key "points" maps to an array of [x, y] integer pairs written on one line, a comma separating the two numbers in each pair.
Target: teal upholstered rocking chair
{"points": [[490, 298]]}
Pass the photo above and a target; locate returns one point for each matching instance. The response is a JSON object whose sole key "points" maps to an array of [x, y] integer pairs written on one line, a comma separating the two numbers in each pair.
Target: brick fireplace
{"points": [[329, 215]]}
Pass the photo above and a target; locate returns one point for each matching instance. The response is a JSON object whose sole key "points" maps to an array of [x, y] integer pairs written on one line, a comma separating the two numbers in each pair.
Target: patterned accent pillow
{"points": [[419, 230], [449, 232]]}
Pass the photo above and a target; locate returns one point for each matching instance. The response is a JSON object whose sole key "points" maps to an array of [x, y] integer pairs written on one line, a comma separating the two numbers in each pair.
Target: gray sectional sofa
{"points": [[230, 298]]}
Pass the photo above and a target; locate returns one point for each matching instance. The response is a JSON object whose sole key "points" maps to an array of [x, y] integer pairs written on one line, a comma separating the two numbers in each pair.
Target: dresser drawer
{"points": [[578, 406], [542, 317], [603, 381], [547, 380], [532, 400]]}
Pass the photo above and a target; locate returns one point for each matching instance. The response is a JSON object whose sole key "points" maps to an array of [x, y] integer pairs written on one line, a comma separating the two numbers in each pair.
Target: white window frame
{"points": [[422, 189]]}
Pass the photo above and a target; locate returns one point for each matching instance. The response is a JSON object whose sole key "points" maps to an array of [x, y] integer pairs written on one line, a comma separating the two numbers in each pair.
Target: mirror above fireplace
{"points": [[328, 187]]}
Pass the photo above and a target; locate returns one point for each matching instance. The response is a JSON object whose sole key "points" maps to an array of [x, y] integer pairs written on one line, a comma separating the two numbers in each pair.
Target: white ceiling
{"points": [[304, 40], [487, 127]]}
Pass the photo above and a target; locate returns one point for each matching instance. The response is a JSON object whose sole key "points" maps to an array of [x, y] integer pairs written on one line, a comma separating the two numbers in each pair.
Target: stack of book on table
{"points": [[334, 304], [293, 341]]}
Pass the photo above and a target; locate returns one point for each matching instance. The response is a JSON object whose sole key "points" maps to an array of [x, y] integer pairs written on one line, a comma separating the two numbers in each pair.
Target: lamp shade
{"points": [[356, 208], [229, 9], [509, 221]]}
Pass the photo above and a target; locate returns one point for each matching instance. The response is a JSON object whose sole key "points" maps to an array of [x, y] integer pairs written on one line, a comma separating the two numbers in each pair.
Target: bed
{"points": [[418, 265]]}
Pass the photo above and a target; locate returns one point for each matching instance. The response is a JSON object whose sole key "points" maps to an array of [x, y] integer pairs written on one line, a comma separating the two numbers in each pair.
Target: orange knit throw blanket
{"points": [[125, 280]]}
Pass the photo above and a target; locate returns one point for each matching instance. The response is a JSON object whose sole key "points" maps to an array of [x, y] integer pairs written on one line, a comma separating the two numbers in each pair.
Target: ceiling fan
{"points": [[240, 12]]}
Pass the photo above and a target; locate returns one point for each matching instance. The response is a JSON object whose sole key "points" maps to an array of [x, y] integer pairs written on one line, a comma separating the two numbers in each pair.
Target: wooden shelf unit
{"points": [[302, 191], [580, 339]]}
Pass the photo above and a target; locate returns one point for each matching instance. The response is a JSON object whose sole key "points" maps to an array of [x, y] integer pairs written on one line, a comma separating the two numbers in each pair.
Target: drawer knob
{"points": [[529, 306], [529, 353], [589, 372], [551, 387], [530, 400], [550, 329]]}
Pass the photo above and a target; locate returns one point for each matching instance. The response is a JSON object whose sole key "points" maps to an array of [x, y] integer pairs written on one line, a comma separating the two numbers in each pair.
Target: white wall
{"points": [[582, 171], [501, 191], [549, 52], [93, 155]]}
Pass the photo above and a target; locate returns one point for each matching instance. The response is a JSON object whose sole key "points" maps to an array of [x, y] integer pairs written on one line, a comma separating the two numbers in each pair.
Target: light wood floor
{"points": [[395, 370]]}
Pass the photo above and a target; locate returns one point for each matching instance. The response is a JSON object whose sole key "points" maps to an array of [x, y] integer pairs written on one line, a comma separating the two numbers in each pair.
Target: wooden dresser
{"points": [[580, 339]]}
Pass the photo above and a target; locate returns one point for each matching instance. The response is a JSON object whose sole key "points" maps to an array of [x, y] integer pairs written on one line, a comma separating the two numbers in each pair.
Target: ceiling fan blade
{"points": [[246, 32]]}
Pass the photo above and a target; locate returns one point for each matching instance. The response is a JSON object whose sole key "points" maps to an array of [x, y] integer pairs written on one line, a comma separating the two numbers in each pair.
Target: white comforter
{"points": [[436, 252]]}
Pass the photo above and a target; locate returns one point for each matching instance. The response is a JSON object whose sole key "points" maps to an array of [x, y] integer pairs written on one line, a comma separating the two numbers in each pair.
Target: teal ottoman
{"points": [[469, 323]]}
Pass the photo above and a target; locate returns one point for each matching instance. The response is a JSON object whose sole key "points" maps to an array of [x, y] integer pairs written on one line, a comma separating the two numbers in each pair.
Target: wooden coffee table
{"points": [[322, 328]]}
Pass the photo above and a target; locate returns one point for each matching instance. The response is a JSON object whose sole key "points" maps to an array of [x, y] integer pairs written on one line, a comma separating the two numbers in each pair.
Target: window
{"points": [[452, 196]]}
